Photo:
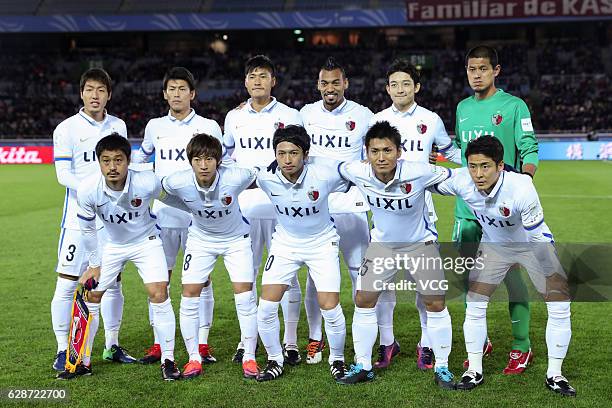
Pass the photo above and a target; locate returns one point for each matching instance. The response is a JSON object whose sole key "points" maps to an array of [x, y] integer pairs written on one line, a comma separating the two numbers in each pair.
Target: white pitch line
{"points": [[597, 197]]}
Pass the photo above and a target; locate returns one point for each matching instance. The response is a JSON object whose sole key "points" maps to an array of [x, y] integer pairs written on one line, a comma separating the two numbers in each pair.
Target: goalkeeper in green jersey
{"points": [[491, 111]]}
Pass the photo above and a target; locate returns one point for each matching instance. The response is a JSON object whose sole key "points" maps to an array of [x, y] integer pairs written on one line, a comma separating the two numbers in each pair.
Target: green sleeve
{"points": [[457, 139], [524, 135]]}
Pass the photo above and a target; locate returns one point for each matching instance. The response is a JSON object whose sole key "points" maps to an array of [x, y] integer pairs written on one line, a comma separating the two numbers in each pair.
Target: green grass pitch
{"points": [[577, 198]]}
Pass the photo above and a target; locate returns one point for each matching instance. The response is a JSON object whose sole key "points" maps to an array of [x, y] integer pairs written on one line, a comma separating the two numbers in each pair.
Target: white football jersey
{"points": [[507, 213], [126, 215], [301, 209], [75, 140], [215, 211], [420, 128], [249, 134], [338, 135], [398, 207], [167, 138]]}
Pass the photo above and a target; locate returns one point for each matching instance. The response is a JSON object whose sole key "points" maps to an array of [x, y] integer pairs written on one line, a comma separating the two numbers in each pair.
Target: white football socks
{"points": [[268, 327], [94, 314], [313, 311], [246, 309], [111, 309], [439, 326], [384, 314], [206, 309], [475, 331], [61, 311], [165, 327], [364, 335], [189, 321], [291, 304], [420, 305], [335, 328], [558, 335]]}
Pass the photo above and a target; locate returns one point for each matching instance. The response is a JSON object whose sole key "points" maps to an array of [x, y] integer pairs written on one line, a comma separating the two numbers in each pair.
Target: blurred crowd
{"points": [[565, 84]]}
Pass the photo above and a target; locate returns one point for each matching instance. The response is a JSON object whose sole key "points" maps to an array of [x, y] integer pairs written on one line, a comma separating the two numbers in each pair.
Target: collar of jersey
{"points": [[186, 120], [298, 181], [91, 120], [266, 108], [410, 110], [212, 187], [338, 108], [108, 191], [390, 182], [497, 186]]}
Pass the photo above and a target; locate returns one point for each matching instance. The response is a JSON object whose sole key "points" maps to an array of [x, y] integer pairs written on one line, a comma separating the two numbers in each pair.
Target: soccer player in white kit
{"points": [[74, 142], [210, 193], [121, 199], [305, 235], [248, 136], [337, 128], [395, 190], [420, 128], [166, 138], [507, 206]]}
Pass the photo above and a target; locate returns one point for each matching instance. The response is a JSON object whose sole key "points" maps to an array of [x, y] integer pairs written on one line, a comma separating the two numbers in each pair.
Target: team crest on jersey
{"points": [[136, 202], [406, 188], [421, 128], [279, 125], [350, 125], [226, 199], [504, 211], [497, 119], [313, 194]]}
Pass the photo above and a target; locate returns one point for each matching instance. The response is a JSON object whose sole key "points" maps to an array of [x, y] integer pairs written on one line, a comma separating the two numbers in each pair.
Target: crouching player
{"points": [[305, 235], [210, 193], [509, 210], [395, 191], [121, 199]]}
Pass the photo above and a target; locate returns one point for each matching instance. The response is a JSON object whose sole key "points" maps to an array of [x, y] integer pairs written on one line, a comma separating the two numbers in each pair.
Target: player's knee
{"points": [[433, 304], [158, 292], [240, 287], [328, 302], [365, 299], [192, 290], [95, 297]]}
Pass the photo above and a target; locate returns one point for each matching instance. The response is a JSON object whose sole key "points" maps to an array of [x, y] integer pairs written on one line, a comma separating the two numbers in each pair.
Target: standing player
{"points": [[305, 235], [74, 142], [491, 111], [337, 127], [167, 138], [514, 231], [121, 198], [248, 134], [395, 191], [210, 193], [420, 129]]}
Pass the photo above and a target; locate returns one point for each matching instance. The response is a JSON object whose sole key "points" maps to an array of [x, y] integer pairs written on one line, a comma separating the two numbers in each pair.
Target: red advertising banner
{"points": [[431, 11], [26, 154]]}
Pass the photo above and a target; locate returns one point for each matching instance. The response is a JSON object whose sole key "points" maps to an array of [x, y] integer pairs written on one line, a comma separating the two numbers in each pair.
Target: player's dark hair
{"points": [[331, 64], [402, 65], [383, 130], [177, 73], [488, 146], [96, 74], [204, 145], [259, 61], [113, 142], [293, 134], [483, 51]]}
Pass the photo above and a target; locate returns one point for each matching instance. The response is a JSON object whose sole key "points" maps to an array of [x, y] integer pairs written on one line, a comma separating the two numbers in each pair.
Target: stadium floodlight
{"points": [[297, 32], [300, 39], [224, 37]]}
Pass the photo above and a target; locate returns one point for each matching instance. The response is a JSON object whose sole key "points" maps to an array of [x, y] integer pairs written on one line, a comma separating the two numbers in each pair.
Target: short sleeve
{"points": [[62, 144], [532, 214]]}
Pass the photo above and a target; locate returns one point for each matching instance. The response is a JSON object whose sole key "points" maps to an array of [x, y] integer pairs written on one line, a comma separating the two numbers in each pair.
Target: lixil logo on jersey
{"points": [[350, 125], [136, 202], [421, 128], [497, 119], [313, 194], [226, 199]]}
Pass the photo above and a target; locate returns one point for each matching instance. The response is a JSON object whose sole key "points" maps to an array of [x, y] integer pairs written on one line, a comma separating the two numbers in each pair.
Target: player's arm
{"points": [[245, 178], [170, 195], [147, 148], [457, 139], [87, 223], [445, 146], [62, 153], [229, 143], [525, 139]]}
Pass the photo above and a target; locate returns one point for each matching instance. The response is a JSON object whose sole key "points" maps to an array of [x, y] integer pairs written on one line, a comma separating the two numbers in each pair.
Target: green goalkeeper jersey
{"points": [[504, 116]]}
